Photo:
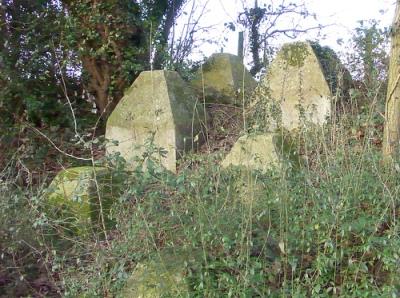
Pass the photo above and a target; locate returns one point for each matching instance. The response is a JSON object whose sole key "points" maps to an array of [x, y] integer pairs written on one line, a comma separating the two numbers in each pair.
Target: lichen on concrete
{"points": [[224, 79], [296, 81], [159, 107], [262, 152], [162, 276], [74, 196], [295, 54]]}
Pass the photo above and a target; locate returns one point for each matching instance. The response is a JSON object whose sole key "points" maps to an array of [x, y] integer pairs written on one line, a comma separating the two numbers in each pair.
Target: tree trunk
{"points": [[104, 45], [3, 34], [392, 123], [100, 73]]}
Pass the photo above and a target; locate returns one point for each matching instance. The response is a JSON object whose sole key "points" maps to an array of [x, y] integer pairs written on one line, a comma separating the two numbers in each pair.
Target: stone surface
{"points": [[296, 83], [163, 276], [159, 106], [224, 78], [261, 152], [73, 197]]}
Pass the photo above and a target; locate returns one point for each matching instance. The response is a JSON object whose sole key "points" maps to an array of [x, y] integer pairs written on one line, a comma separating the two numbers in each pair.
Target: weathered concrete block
{"points": [[159, 106], [164, 276], [78, 196], [296, 81], [261, 152], [224, 78]]}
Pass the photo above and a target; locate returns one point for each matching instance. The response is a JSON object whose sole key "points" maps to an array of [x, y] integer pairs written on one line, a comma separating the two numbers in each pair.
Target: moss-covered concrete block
{"points": [[262, 152], [224, 79], [297, 81], [159, 108], [78, 196], [163, 276]]}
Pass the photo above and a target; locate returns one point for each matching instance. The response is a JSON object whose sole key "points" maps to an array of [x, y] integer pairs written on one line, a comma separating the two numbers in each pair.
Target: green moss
{"points": [[336, 75], [162, 276], [73, 198], [209, 64], [295, 53], [223, 79]]}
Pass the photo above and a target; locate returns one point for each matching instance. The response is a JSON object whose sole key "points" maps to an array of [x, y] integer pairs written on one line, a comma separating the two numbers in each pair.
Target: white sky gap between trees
{"points": [[342, 14]]}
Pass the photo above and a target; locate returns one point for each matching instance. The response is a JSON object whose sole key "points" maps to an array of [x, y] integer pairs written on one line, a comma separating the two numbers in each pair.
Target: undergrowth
{"points": [[327, 228]]}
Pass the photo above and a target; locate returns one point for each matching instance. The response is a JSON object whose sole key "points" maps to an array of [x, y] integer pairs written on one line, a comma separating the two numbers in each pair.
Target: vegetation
{"points": [[65, 52], [327, 227]]}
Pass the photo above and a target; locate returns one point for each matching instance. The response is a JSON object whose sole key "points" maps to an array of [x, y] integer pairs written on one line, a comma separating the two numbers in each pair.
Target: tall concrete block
{"points": [[296, 81], [224, 79], [159, 106]]}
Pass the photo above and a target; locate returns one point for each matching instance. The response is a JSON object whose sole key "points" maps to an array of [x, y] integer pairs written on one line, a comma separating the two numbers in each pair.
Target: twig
{"points": [[64, 88], [55, 146]]}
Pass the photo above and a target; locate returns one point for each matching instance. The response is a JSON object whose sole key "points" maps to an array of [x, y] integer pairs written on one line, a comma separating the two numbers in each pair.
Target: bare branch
{"points": [[270, 21], [55, 146]]}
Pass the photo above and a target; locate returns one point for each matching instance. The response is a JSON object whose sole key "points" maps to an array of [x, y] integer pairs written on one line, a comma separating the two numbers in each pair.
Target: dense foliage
{"points": [[56, 53], [30, 58]]}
